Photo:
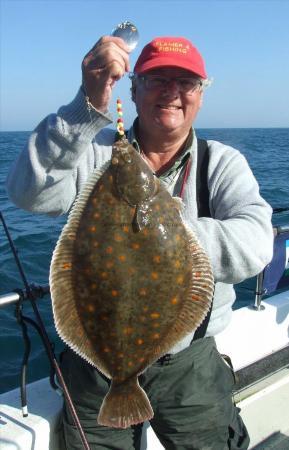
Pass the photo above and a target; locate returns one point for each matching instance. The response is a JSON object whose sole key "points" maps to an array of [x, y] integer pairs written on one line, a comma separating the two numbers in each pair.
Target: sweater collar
{"points": [[179, 162]]}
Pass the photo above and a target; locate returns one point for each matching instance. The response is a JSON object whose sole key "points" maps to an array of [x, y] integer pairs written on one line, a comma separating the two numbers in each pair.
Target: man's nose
{"points": [[172, 87]]}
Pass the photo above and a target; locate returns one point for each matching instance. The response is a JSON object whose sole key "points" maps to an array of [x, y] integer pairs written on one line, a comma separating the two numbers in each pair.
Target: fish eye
{"points": [[127, 158]]}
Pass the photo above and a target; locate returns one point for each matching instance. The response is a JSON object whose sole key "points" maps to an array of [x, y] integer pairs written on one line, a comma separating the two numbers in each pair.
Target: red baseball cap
{"points": [[173, 52]]}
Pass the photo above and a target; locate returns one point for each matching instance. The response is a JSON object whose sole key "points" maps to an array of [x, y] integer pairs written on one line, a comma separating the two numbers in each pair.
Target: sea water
{"points": [[35, 235]]}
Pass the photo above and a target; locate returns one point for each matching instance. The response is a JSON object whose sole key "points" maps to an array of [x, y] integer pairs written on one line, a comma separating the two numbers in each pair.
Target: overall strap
{"points": [[202, 179], [203, 210]]}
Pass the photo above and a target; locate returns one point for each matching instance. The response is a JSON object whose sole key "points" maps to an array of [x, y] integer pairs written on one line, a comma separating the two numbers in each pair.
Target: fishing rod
{"points": [[45, 339]]}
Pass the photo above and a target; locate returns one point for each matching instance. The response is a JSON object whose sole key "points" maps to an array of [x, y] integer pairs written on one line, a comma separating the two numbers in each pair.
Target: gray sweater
{"points": [[67, 146]]}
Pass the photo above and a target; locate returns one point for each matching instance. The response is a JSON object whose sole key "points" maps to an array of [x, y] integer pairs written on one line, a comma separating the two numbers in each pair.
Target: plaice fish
{"points": [[128, 280]]}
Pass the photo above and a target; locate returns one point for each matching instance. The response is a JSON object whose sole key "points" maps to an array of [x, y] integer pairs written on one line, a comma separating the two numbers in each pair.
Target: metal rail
{"points": [[12, 298]]}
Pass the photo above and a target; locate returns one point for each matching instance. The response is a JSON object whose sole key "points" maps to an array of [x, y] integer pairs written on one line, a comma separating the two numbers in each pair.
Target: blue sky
{"points": [[245, 45]]}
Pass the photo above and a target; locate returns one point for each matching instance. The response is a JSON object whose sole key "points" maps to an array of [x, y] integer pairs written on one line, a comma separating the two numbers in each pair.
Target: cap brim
{"points": [[168, 62]]}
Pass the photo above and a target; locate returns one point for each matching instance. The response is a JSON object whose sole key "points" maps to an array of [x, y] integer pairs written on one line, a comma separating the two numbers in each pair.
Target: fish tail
{"points": [[124, 405]]}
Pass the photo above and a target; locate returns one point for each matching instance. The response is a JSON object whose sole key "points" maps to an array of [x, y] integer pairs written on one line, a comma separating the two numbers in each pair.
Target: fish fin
{"points": [[67, 321], [200, 296], [124, 405]]}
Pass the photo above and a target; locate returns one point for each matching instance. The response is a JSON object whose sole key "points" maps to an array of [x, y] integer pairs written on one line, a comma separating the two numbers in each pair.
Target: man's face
{"points": [[166, 110]]}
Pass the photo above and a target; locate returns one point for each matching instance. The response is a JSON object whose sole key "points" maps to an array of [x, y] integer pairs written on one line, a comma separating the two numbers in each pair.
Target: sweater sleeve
{"points": [[239, 237], [44, 177]]}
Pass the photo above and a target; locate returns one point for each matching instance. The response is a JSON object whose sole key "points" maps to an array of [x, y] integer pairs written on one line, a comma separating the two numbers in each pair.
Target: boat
{"points": [[256, 340]]}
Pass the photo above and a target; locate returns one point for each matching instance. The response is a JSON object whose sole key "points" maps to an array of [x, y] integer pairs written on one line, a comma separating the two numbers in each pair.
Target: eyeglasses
{"points": [[185, 85]]}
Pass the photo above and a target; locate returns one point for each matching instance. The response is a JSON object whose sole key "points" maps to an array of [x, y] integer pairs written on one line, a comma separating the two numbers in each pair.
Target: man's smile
{"points": [[170, 107]]}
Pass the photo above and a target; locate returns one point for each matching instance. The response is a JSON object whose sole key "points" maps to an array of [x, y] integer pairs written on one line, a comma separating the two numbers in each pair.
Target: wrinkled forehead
{"points": [[170, 71]]}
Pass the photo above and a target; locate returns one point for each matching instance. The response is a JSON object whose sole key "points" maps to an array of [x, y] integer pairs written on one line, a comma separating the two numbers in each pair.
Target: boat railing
{"points": [[276, 274], [12, 298]]}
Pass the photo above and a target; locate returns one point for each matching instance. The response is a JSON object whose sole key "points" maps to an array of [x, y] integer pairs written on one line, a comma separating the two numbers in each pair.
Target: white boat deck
{"points": [[265, 405]]}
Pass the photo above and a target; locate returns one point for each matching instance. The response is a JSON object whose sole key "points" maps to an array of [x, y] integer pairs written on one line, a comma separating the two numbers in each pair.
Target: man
{"points": [[191, 388]]}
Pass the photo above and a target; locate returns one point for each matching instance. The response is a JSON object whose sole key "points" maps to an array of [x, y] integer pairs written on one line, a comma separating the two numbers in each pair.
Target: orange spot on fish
{"points": [[135, 246], [155, 315], [114, 293], [128, 331], [92, 229], [90, 307], [95, 244], [141, 359], [139, 341], [195, 297], [174, 300], [118, 238], [156, 336], [180, 279], [157, 207], [131, 270], [66, 266], [161, 219], [145, 232], [94, 201], [177, 237], [177, 264], [155, 325], [106, 350], [142, 291], [109, 264], [93, 286], [96, 215], [122, 258], [125, 228], [157, 258], [109, 250], [100, 187], [145, 308], [130, 363], [197, 274], [104, 274], [110, 178], [120, 355], [154, 275]]}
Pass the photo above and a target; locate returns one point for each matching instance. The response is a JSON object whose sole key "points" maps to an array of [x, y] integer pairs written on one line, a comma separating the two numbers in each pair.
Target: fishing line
{"points": [[48, 346]]}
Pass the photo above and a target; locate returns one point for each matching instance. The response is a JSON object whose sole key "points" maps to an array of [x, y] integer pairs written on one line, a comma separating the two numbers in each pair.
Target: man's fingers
{"points": [[113, 39], [104, 57], [107, 49], [103, 65]]}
